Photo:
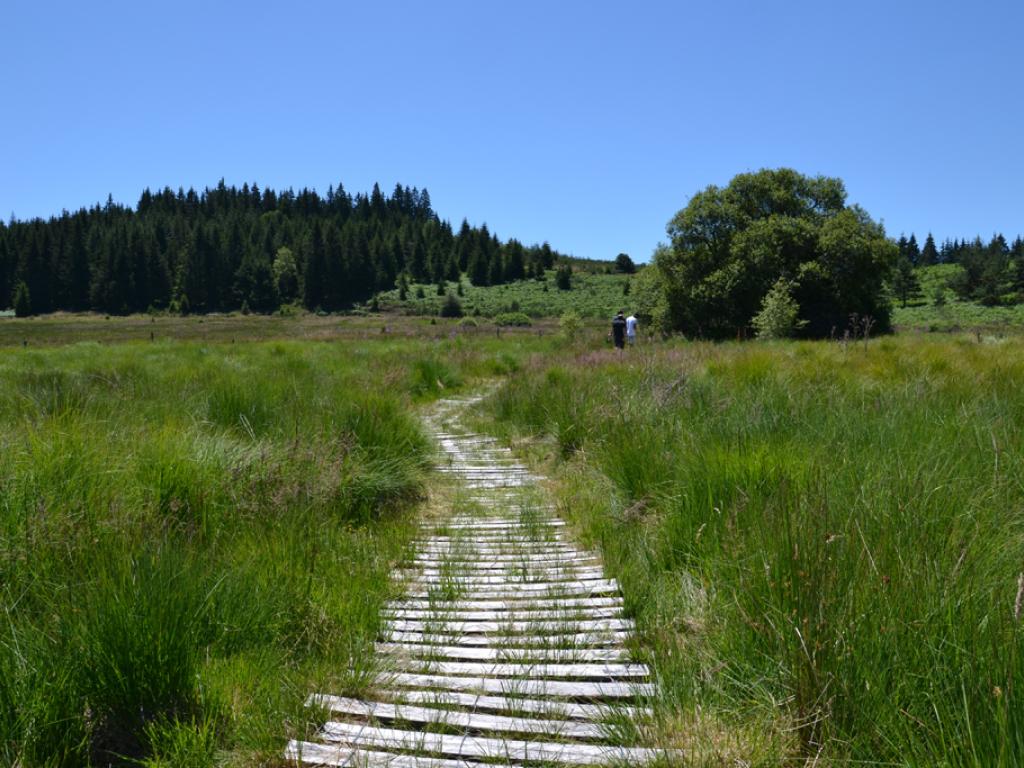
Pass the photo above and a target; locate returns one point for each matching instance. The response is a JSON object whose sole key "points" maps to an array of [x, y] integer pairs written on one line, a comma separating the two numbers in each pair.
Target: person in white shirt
{"points": [[631, 328]]}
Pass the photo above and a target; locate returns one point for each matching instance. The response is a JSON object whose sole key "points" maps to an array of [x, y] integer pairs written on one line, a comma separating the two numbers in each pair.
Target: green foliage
{"points": [[593, 295], [224, 246], [563, 277], [905, 283], [286, 275], [779, 315], [624, 264], [730, 245], [571, 325], [513, 319], [452, 307], [21, 300]]}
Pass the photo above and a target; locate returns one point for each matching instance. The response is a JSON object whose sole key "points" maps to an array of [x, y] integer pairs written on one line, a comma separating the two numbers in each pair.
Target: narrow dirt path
{"points": [[508, 646]]}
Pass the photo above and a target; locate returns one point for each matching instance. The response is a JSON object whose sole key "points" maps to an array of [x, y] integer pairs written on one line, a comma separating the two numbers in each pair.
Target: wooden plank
{"points": [[516, 526], [566, 588], [506, 686], [506, 627], [547, 707], [561, 640], [441, 613], [497, 540], [505, 654], [580, 670], [310, 753], [509, 576], [485, 563], [437, 558], [568, 753], [476, 721], [506, 605], [528, 547]]}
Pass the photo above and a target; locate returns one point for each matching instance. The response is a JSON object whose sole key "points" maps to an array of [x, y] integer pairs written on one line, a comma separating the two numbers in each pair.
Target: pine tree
{"points": [[905, 283], [914, 251], [563, 277], [929, 254], [22, 300]]}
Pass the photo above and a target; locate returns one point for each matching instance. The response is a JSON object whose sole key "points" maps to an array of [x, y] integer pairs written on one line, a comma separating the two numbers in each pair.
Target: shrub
{"points": [[452, 307], [513, 318], [779, 311], [570, 324], [563, 277]]}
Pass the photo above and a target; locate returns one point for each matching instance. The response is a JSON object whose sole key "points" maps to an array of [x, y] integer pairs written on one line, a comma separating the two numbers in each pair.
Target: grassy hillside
{"points": [[925, 314], [194, 536], [823, 545], [592, 295]]}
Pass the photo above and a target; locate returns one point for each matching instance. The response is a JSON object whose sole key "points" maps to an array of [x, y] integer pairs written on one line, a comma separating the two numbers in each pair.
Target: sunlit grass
{"points": [[822, 537], [194, 537]]}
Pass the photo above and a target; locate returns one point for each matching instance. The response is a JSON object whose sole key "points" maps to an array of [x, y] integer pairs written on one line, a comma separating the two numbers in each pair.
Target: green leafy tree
{"points": [[730, 246], [779, 317], [624, 264], [286, 274]]}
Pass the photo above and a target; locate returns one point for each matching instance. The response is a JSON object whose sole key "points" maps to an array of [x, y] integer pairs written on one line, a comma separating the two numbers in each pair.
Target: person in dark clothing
{"points": [[619, 330]]}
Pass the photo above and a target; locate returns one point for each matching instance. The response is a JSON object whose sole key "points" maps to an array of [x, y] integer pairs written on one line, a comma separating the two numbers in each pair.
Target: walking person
{"points": [[619, 330], [631, 323]]}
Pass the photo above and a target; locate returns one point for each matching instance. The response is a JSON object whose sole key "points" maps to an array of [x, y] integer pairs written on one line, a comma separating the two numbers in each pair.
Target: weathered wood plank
{"points": [[563, 588], [505, 627], [504, 653], [506, 686], [476, 721], [567, 613], [547, 577], [582, 670], [310, 753], [511, 604], [569, 753], [563, 640], [557, 708]]}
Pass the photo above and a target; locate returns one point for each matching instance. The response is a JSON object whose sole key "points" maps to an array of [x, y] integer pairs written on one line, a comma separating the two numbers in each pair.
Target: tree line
{"points": [[990, 273], [231, 248]]}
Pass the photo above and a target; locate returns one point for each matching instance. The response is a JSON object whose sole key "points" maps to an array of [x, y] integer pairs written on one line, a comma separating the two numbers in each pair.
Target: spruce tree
{"points": [[905, 283], [21, 300], [929, 254]]}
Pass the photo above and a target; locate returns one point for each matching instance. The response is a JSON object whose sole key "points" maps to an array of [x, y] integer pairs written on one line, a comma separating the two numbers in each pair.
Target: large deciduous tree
{"points": [[731, 244]]}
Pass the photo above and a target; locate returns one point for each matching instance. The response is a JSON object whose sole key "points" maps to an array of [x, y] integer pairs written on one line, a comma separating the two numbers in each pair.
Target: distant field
{"points": [[593, 295], [66, 328]]}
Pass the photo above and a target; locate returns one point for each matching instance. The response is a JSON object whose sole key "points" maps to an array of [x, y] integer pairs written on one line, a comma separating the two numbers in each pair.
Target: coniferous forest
{"points": [[231, 248]]}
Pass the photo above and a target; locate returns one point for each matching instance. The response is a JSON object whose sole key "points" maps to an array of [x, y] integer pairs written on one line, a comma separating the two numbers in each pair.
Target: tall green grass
{"points": [[195, 537], [821, 543]]}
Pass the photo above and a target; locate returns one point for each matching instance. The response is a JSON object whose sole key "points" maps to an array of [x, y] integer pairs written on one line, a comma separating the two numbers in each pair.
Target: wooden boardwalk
{"points": [[508, 646]]}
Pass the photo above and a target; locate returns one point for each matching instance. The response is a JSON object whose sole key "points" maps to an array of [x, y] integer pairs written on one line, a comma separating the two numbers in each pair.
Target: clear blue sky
{"points": [[587, 124]]}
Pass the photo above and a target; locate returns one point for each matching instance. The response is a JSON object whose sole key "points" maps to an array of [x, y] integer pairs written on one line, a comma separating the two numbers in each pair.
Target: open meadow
{"points": [[821, 543]]}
